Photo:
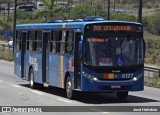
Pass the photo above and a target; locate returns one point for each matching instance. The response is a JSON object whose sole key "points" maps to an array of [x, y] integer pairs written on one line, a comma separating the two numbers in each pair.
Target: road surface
{"points": [[16, 92]]}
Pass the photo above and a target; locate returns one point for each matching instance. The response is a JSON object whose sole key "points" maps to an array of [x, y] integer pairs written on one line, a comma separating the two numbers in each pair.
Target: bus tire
{"points": [[31, 81], [122, 95], [69, 92]]}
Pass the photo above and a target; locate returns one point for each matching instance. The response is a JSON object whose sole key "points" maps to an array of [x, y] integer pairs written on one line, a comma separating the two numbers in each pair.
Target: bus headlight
{"points": [[90, 76], [134, 79], [137, 77]]}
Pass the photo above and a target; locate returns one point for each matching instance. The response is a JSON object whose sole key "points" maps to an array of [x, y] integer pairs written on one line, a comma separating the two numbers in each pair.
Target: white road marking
{"points": [[99, 111], [15, 85], [37, 92], [105, 112], [4, 113], [64, 100]]}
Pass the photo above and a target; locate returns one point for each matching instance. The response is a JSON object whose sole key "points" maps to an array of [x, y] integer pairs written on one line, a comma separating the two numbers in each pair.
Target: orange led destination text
{"points": [[112, 28]]}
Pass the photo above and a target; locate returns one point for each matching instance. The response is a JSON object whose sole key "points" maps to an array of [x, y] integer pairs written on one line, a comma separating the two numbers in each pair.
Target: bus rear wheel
{"points": [[31, 76], [69, 92], [122, 95]]}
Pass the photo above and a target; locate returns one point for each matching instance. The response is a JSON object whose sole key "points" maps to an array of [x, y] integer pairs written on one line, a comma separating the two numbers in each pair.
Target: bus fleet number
{"points": [[127, 75]]}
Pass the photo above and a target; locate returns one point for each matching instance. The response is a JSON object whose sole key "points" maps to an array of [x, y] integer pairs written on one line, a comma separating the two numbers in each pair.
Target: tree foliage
{"points": [[50, 11], [152, 23], [81, 11]]}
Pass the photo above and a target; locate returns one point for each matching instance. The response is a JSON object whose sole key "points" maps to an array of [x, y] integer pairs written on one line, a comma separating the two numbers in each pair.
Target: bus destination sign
{"points": [[112, 28], [118, 28]]}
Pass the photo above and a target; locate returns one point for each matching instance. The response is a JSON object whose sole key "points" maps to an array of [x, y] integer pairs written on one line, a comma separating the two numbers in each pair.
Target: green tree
{"points": [[81, 11], [24, 15], [50, 10]]}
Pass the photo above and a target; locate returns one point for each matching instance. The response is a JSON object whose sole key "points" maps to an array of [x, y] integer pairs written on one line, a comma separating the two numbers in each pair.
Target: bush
{"points": [[152, 23], [7, 55], [123, 16], [152, 82], [153, 56], [81, 11]]}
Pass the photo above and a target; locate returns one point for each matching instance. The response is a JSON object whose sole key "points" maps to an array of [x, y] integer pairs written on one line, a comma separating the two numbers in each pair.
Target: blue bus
{"points": [[88, 56]]}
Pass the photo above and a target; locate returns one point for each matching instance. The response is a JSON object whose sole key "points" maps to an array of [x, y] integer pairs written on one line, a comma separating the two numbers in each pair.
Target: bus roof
{"points": [[67, 24]]}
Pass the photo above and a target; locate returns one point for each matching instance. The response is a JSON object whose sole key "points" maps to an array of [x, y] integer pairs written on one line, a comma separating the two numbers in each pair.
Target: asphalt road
{"points": [[16, 92]]}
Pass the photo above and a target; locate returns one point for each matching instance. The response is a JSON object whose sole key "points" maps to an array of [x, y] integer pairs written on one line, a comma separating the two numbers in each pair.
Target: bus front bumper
{"points": [[112, 86]]}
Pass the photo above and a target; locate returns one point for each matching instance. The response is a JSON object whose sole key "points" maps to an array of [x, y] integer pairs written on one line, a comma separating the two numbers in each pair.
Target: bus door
{"points": [[23, 52], [77, 61], [45, 56]]}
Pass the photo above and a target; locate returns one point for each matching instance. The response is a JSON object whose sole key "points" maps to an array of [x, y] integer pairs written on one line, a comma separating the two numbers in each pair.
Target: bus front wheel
{"points": [[122, 95], [69, 92]]}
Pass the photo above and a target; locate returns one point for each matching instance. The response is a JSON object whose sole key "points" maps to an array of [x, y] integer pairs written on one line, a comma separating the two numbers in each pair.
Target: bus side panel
{"points": [[34, 60], [27, 65], [58, 65], [17, 63], [66, 67], [54, 70]]}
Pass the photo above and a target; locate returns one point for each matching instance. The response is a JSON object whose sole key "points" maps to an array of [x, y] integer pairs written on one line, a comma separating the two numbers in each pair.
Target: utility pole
{"points": [[8, 7], [114, 6], [95, 10], [14, 24], [4, 11], [92, 3], [0, 8], [70, 7], [108, 9], [140, 12]]}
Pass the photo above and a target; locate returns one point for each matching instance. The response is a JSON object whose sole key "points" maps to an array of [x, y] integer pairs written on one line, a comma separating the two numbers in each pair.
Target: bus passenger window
{"points": [[54, 37], [30, 41], [38, 41], [18, 40], [62, 42], [59, 42], [69, 42], [66, 42]]}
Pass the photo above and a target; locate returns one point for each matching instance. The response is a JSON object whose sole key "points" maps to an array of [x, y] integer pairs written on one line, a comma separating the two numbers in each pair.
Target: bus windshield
{"points": [[113, 51]]}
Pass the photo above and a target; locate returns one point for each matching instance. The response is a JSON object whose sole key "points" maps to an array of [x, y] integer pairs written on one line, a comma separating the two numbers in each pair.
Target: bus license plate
{"points": [[115, 86]]}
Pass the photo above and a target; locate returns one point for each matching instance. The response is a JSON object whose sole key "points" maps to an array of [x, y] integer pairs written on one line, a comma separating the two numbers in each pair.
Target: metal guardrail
{"points": [[152, 70]]}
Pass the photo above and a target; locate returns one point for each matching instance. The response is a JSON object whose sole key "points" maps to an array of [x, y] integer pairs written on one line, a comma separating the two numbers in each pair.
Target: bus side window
{"points": [[53, 45], [30, 41], [69, 42], [62, 45], [18, 40], [38, 41], [59, 41]]}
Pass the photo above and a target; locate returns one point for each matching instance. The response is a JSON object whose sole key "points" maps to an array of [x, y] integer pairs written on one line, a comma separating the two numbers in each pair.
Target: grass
{"points": [[149, 36], [1, 50], [153, 50], [152, 82], [6, 54]]}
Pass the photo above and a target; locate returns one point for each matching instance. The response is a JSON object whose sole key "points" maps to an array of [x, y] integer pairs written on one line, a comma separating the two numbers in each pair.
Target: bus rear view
{"points": [[113, 58]]}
